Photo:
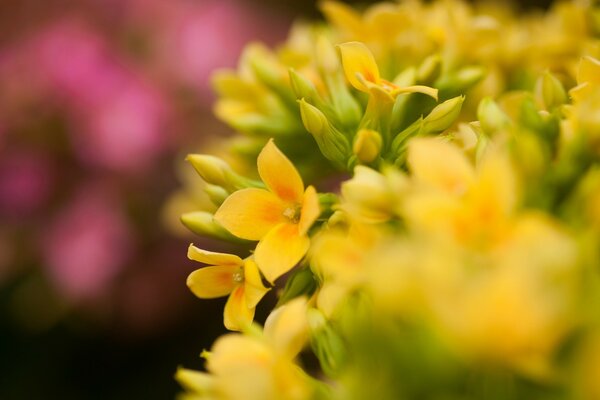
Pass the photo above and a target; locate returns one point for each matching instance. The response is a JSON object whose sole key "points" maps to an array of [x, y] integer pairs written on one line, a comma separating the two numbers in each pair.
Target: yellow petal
{"points": [[589, 71], [237, 315], [279, 174], [255, 290], [250, 213], [211, 282], [343, 16], [286, 328], [429, 91], [280, 250], [358, 62], [495, 193], [195, 381], [440, 165], [310, 210], [212, 258]]}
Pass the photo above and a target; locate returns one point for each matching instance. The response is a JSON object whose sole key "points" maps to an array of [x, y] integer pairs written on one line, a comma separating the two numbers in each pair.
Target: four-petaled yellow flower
{"points": [[278, 216], [362, 72], [228, 274]]}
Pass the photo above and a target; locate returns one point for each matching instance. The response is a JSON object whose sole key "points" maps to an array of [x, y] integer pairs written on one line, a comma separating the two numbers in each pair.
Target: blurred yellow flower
{"points": [[256, 367], [278, 216]]}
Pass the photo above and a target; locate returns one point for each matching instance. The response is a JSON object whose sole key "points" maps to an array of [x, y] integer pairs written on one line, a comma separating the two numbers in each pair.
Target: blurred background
{"points": [[100, 100]]}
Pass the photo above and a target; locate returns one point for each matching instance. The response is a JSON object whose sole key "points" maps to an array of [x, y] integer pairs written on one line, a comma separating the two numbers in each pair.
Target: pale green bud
{"points": [[202, 223], [302, 87], [429, 70], [491, 117], [332, 143], [216, 194], [326, 343], [301, 283], [456, 83], [443, 115], [270, 73], [397, 148], [407, 77], [550, 91], [367, 145], [217, 172], [326, 56]]}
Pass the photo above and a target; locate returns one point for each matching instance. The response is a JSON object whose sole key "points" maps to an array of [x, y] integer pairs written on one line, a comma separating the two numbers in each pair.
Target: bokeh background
{"points": [[100, 100]]}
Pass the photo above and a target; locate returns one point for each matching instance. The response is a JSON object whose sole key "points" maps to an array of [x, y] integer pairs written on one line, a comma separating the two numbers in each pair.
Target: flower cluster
{"points": [[451, 246]]}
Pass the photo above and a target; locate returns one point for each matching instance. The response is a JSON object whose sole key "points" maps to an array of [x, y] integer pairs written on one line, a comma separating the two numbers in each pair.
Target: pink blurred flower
{"points": [[125, 134], [121, 120], [87, 245], [26, 181]]}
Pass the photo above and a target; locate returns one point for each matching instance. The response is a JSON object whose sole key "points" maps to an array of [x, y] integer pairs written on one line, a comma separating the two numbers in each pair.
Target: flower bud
{"points": [[456, 83], [300, 283], [429, 70], [302, 87], [216, 194], [327, 58], [491, 117], [367, 145], [443, 115], [202, 223], [326, 343], [550, 91], [332, 143], [217, 172]]}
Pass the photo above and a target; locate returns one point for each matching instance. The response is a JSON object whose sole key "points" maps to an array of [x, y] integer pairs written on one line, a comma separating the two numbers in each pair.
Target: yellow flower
{"points": [[228, 274], [278, 216], [256, 367], [362, 72], [452, 197]]}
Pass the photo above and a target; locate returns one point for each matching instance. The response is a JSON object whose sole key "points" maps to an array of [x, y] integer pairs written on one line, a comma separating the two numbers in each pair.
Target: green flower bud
{"points": [[332, 143], [271, 74], [202, 223], [367, 145], [550, 91], [443, 115], [458, 82], [491, 117], [300, 283], [327, 58], [217, 172], [397, 148], [216, 194], [302, 87], [429, 70], [326, 343]]}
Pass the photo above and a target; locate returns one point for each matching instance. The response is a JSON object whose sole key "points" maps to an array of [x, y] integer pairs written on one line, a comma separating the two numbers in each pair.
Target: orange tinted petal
{"points": [[310, 210], [212, 258], [211, 282], [281, 249], [237, 315], [358, 62], [250, 213], [279, 174]]}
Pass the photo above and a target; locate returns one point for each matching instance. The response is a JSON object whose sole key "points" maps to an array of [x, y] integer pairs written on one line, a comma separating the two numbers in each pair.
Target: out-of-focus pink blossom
{"points": [[87, 245], [122, 120], [195, 38], [26, 181], [124, 134]]}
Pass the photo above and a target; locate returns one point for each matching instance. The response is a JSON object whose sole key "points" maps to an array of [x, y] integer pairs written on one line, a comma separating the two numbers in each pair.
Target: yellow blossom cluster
{"points": [[419, 184]]}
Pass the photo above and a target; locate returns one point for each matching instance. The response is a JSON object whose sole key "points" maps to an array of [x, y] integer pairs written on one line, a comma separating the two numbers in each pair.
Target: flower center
{"points": [[292, 213], [238, 276]]}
